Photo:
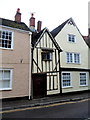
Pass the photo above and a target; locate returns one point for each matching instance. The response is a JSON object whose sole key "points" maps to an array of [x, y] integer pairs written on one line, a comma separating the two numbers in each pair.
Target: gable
{"points": [[46, 42], [61, 33], [44, 39], [62, 37], [60, 27]]}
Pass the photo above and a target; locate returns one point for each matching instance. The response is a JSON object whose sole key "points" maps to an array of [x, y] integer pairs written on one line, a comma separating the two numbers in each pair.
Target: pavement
{"points": [[10, 104]]}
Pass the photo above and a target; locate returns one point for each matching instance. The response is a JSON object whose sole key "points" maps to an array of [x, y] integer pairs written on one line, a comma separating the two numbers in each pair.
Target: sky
{"points": [[89, 14], [52, 13]]}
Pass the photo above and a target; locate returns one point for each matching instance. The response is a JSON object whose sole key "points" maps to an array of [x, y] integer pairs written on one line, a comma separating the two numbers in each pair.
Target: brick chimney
{"points": [[39, 24], [32, 22], [18, 16]]}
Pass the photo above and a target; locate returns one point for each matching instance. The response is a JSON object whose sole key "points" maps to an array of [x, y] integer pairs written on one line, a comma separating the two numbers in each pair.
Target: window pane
{"points": [[71, 38], [43, 56], [82, 78], [1, 74], [69, 58], [1, 84], [76, 58], [47, 56], [4, 84], [7, 74]]}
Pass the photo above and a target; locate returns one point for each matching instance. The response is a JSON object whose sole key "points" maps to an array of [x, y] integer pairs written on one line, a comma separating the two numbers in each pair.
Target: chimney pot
{"points": [[32, 14], [32, 22], [18, 16], [39, 23], [18, 10]]}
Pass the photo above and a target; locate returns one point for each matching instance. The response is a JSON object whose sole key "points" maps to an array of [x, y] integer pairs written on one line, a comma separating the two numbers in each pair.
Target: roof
{"points": [[37, 36], [87, 40], [14, 24], [55, 31]]}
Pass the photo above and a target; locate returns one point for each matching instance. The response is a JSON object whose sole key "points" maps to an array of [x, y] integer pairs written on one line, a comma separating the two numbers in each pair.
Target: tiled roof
{"points": [[59, 28], [35, 36], [87, 40], [14, 24]]}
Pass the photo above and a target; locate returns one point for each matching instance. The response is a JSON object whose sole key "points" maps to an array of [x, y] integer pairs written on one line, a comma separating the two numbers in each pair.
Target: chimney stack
{"points": [[39, 23], [18, 16], [32, 22]]}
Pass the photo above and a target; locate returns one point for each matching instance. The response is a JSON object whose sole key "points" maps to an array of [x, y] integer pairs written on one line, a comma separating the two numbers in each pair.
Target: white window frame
{"points": [[71, 38], [86, 79], [11, 74], [12, 43], [73, 58], [70, 80]]}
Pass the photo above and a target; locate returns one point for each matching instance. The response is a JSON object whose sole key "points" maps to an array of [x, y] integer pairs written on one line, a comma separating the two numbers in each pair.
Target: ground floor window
{"points": [[83, 79], [52, 80], [5, 79], [66, 79]]}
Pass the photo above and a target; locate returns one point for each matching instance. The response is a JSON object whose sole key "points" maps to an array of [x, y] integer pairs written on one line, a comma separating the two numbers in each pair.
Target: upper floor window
{"points": [[76, 58], [71, 38], [46, 56], [5, 79], [73, 58], [6, 39]]}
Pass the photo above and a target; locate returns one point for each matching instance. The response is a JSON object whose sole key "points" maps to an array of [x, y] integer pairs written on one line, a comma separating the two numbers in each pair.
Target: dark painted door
{"points": [[39, 85]]}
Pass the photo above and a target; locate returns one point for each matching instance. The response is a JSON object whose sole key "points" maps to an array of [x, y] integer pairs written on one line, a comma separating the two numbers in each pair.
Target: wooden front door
{"points": [[39, 85]]}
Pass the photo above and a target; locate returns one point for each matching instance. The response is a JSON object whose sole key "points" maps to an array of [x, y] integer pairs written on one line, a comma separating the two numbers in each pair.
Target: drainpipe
{"points": [[30, 61], [60, 73]]}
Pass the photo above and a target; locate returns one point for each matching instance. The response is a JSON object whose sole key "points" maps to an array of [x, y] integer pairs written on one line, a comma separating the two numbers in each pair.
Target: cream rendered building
{"points": [[74, 58], [15, 75]]}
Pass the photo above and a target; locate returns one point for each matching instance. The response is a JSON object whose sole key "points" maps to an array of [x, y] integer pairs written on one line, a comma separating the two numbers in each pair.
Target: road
{"points": [[75, 109]]}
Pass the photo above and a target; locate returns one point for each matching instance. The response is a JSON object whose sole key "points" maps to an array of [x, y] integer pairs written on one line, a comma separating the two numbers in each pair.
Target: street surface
{"points": [[74, 110]]}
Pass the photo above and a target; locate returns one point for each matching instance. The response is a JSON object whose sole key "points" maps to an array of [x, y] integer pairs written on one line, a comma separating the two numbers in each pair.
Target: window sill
{"points": [[6, 48], [74, 63], [72, 42], [46, 60], [6, 89], [83, 85], [68, 87]]}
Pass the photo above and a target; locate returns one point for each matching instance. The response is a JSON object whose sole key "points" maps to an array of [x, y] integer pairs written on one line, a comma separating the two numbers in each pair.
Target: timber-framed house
{"points": [[45, 64]]}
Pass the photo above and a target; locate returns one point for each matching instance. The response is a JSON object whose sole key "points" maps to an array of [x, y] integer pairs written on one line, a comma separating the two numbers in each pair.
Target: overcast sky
{"points": [[52, 13], [89, 14]]}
